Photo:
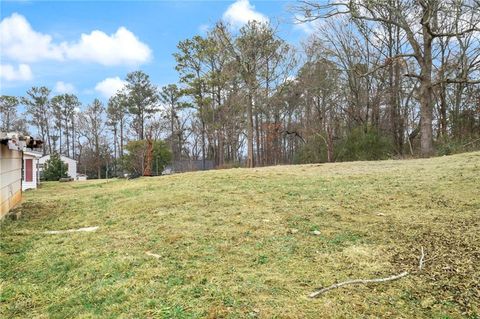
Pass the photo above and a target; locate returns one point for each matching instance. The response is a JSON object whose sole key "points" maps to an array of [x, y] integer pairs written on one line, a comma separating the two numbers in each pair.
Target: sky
{"points": [[88, 47]]}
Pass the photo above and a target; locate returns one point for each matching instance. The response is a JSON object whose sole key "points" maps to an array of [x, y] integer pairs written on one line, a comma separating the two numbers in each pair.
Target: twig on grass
{"points": [[430, 259], [420, 263], [152, 254], [356, 282], [367, 281], [84, 229]]}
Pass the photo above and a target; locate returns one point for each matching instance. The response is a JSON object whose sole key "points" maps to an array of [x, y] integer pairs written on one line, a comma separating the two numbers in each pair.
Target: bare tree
{"points": [[424, 22], [38, 106], [92, 126], [8, 115]]}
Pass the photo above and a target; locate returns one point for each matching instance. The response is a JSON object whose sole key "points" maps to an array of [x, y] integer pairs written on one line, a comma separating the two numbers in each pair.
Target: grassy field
{"points": [[241, 243]]}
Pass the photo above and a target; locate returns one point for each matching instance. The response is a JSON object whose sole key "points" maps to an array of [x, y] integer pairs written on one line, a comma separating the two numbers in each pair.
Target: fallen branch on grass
{"points": [[84, 229], [420, 263], [356, 282], [152, 254], [367, 281]]}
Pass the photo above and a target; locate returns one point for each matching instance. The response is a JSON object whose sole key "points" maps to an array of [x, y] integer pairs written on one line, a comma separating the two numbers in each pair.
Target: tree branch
{"points": [[367, 281], [454, 34], [411, 75], [388, 62], [356, 282], [457, 80]]}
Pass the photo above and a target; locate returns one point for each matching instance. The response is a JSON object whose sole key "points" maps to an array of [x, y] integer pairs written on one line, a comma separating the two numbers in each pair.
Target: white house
{"points": [[31, 176], [71, 164]]}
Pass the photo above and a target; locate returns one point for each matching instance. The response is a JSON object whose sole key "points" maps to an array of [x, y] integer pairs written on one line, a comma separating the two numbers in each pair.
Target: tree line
{"points": [[378, 79]]}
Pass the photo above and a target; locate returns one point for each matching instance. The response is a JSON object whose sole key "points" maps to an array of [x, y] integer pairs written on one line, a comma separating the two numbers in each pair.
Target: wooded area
{"points": [[377, 79]]}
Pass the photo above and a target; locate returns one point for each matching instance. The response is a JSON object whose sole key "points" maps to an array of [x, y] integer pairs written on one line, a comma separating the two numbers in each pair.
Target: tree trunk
{"points": [[60, 139], [456, 127], [44, 145], [73, 136], [443, 111], [329, 144], [203, 145], [115, 144], [97, 153], [140, 136], [250, 150], [121, 137], [172, 130], [67, 136], [257, 139], [48, 136], [147, 171], [426, 107]]}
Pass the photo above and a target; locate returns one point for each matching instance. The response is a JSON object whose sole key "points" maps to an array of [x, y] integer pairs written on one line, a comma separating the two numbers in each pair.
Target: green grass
{"points": [[239, 243]]}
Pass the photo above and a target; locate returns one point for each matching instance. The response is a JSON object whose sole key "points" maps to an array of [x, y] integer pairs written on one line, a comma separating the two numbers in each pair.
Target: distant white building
{"points": [[71, 165], [81, 177], [31, 176]]}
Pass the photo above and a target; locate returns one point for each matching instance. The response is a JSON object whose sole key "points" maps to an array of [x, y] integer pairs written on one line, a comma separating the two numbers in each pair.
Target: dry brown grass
{"points": [[239, 243]]}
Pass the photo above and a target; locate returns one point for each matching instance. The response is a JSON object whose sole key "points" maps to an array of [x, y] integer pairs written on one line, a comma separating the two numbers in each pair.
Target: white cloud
{"points": [[19, 42], [122, 47], [8, 72], [241, 12], [63, 88], [110, 86]]}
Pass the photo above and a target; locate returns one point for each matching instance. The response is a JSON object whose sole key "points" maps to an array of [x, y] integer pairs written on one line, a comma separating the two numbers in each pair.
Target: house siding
{"points": [[10, 178]]}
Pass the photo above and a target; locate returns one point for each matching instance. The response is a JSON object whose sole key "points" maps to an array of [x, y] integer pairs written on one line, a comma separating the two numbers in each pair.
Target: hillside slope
{"points": [[245, 243]]}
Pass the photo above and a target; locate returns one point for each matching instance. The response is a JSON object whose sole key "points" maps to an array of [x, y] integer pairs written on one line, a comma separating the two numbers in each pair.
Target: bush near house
{"points": [[55, 168]]}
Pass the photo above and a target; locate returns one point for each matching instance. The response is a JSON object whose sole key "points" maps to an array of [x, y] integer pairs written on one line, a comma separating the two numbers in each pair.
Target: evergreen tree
{"points": [[55, 168], [142, 99]]}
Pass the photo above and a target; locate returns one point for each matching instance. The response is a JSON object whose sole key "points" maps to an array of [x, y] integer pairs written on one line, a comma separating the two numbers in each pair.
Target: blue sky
{"points": [[88, 47]]}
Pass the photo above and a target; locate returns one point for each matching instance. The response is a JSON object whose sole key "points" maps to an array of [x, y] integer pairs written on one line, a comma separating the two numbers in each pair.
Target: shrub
{"points": [[359, 145], [448, 146], [313, 151], [54, 168]]}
